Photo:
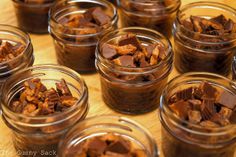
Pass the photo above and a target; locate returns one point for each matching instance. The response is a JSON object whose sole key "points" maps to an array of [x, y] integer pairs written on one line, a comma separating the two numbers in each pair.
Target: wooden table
{"points": [[44, 53]]}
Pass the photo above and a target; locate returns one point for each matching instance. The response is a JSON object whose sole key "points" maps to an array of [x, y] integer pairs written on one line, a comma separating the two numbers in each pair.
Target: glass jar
{"points": [[139, 96], [180, 138], [234, 69], [77, 51], [36, 136], [201, 52], [102, 125], [22, 61], [115, 2], [33, 16], [158, 15]]}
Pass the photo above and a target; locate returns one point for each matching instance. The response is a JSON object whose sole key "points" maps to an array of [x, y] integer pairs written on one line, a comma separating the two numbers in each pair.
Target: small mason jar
{"points": [[32, 16], [180, 138], [139, 96], [158, 15], [37, 136], [25, 59], [75, 50], [103, 125], [200, 52]]}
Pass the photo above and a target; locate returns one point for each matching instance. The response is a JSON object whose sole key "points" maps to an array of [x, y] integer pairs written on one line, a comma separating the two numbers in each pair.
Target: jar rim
{"points": [[135, 70], [56, 67], [205, 4], [53, 19], [194, 127], [118, 120], [171, 8], [17, 31]]}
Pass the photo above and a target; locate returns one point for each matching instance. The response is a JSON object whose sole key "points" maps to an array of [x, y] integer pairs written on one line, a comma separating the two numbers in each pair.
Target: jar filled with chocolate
{"points": [[134, 64], [40, 104], [108, 136], [16, 51], [32, 15], [76, 26], [158, 15], [198, 116], [205, 38]]}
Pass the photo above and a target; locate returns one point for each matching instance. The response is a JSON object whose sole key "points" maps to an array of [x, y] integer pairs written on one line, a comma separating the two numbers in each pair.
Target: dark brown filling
{"points": [[92, 21], [204, 105], [9, 51], [109, 145], [37, 100]]}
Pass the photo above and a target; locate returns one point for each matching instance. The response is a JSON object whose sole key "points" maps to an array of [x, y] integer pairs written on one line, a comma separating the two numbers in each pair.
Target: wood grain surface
{"points": [[44, 53]]}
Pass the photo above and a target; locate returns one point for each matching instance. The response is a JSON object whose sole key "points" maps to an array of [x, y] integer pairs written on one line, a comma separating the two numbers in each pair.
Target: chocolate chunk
{"points": [[68, 101], [149, 49], [88, 14], [156, 52], [181, 108], [127, 61], [194, 116], [197, 93], [208, 109], [196, 21], [227, 99], [233, 118], [52, 96], [17, 106], [138, 56], [108, 51], [209, 124], [96, 146], [220, 19], [36, 99], [188, 25], [203, 25], [100, 17], [195, 104], [111, 154], [162, 52], [225, 112], [217, 118], [46, 107], [208, 90], [8, 51], [185, 94], [108, 145], [143, 62], [153, 60], [173, 99], [126, 49], [119, 147], [76, 21], [63, 89], [230, 26], [130, 39], [28, 109]]}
